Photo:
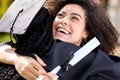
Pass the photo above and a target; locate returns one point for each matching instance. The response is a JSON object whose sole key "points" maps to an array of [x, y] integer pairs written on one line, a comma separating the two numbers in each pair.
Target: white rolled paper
{"points": [[80, 54]]}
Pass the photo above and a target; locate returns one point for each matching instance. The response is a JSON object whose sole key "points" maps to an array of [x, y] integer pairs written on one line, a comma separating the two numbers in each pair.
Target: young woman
{"points": [[75, 23]]}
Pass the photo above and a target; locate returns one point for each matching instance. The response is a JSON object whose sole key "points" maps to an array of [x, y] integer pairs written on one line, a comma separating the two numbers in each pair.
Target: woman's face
{"points": [[69, 24]]}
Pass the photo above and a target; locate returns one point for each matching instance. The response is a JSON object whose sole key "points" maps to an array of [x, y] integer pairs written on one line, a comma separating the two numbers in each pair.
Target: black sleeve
{"points": [[8, 72], [97, 77]]}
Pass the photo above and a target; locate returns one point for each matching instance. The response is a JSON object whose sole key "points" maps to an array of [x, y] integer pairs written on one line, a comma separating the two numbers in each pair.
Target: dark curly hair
{"points": [[98, 23]]}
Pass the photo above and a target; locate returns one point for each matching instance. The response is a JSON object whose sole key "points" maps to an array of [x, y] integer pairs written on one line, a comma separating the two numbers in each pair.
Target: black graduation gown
{"points": [[97, 65]]}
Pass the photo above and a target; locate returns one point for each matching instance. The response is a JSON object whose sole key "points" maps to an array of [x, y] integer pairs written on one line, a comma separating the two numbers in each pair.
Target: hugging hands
{"points": [[32, 69]]}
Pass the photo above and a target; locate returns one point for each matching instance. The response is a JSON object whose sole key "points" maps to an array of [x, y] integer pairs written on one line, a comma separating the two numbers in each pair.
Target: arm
{"points": [[27, 67], [7, 54]]}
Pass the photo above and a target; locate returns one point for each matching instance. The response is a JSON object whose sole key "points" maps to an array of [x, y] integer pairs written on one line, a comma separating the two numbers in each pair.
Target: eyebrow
{"points": [[72, 14], [77, 15], [62, 12]]}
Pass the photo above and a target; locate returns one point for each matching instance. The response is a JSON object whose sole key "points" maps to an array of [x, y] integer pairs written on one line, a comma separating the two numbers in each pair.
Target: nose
{"points": [[65, 21]]}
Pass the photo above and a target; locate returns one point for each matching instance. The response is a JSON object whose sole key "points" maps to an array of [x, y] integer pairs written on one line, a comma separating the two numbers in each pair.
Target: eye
{"points": [[75, 18], [60, 15]]}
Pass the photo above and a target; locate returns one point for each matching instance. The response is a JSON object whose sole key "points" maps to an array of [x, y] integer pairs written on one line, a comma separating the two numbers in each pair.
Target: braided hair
{"points": [[38, 37]]}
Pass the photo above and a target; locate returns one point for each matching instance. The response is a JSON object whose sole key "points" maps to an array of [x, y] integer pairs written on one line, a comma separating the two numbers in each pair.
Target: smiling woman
{"points": [[42, 48], [69, 24]]}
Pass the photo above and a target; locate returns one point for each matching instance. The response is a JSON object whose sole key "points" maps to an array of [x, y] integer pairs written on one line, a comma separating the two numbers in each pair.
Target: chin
{"points": [[60, 39]]}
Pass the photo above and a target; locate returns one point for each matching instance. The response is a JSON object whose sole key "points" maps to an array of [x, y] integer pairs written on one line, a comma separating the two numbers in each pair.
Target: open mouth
{"points": [[63, 31]]}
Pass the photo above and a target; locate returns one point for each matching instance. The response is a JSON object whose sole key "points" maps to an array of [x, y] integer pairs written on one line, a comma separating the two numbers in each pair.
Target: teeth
{"points": [[63, 31]]}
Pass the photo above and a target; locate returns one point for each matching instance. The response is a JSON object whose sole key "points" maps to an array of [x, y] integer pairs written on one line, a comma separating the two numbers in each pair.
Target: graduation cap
{"points": [[19, 15]]}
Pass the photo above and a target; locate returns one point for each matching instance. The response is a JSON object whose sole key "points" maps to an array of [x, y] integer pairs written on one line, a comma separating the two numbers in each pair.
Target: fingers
{"points": [[29, 76], [40, 77], [29, 68], [28, 72], [37, 66], [32, 70], [48, 76], [40, 61], [53, 76]]}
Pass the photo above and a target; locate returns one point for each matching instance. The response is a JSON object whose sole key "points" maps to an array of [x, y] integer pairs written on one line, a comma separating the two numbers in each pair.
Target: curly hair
{"points": [[98, 23]]}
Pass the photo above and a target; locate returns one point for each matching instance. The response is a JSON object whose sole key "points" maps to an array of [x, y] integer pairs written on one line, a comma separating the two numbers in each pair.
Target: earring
{"points": [[84, 41]]}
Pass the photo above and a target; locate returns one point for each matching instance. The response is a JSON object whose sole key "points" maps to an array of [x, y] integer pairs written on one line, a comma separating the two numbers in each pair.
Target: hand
{"points": [[52, 76], [28, 67], [48, 76]]}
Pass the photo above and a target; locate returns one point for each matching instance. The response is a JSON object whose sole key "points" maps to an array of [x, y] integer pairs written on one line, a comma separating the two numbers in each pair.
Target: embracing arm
{"points": [[26, 66], [7, 54]]}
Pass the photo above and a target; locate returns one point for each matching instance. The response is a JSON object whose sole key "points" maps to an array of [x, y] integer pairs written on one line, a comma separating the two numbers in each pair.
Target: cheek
{"points": [[79, 31], [54, 28], [54, 23]]}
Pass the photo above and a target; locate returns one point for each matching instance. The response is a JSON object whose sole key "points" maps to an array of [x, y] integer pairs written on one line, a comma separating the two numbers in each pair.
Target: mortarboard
{"points": [[19, 15]]}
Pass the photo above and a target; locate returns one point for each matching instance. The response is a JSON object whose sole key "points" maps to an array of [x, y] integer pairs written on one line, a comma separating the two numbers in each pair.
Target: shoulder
{"points": [[103, 60], [104, 67], [102, 56]]}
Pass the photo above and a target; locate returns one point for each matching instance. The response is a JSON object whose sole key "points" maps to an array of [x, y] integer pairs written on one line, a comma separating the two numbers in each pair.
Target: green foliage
{"points": [[4, 37], [4, 4]]}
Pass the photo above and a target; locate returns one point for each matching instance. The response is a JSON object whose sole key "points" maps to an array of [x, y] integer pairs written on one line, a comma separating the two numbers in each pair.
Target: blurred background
{"points": [[112, 7], [4, 4]]}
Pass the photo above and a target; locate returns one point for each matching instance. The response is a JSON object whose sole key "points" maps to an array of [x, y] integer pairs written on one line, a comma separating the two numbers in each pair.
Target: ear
{"points": [[86, 35]]}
